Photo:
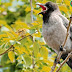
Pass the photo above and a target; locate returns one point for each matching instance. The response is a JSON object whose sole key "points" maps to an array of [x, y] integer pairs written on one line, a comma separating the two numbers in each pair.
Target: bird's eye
{"points": [[49, 5]]}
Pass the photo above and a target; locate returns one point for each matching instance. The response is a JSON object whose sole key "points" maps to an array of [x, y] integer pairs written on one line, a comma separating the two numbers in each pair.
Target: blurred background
{"points": [[22, 47]]}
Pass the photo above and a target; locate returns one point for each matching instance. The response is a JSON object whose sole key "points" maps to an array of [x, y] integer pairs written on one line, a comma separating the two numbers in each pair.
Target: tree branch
{"points": [[32, 37], [69, 55], [7, 50], [31, 11]]}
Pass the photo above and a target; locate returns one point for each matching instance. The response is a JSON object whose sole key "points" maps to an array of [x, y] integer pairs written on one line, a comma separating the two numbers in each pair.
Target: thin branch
{"points": [[69, 55], [7, 50], [58, 58], [31, 11], [23, 37], [61, 52], [33, 61], [31, 36]]}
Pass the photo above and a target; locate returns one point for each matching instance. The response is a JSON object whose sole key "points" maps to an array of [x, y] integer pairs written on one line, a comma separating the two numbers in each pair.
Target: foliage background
{"points": [[28, 52]]}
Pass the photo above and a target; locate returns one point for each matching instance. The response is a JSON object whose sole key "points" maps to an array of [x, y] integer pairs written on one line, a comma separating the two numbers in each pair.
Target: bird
{"points": [[54, 29]]}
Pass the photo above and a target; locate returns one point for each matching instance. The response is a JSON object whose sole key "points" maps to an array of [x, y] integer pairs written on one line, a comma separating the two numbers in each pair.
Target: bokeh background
{"points": [[22, 47]]}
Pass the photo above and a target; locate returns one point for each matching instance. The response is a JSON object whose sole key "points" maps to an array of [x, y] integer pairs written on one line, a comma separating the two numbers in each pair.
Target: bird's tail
{"points": [[69, 62]]}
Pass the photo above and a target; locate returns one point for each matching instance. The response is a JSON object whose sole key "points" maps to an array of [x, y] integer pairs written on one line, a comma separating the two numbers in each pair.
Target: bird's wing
{"points": [[65, 20]]}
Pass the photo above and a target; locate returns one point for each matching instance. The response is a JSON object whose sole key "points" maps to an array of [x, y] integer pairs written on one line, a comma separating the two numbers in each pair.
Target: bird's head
{"points": [[47, 7]]}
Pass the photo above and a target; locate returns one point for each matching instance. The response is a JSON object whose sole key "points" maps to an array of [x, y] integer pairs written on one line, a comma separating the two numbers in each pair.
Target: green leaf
{"points": [[27, 60], [44, 52], [36, 48]]}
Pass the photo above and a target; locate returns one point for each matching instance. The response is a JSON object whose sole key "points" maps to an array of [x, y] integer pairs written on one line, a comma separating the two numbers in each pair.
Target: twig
{"points": [[23, 37], [6, 50], [58, 58], [31, 11], [33, 61], [61, 52], [32, 37], [69, 55]]}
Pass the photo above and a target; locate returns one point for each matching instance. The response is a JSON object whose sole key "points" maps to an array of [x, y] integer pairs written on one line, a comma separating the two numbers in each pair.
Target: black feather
{"points": [[69, 62]]}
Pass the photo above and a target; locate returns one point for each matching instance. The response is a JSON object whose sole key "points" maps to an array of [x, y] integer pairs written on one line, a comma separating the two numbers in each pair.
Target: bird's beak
{"points": [[43, 7]]}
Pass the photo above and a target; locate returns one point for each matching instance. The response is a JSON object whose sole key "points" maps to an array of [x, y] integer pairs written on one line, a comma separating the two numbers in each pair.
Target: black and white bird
{"points": [[54, 29]]}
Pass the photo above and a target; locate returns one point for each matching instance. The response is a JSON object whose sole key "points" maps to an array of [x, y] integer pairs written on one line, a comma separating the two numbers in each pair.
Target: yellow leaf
{"points": [[27, 34], [3, 35], [44, 1], [58, 1], [14, 33], [2, 9], [8, 4], [40, 26], [34, 23], [46, 69], [28, 8], [21, 24], [18, 57], [36, 11], [70, 9], [67, 2], [37, 34], [11, 56], [63, 8], [19, 50], [24, 50], [9, 34], [7, 39], [2, 22], [50, 63], [38, 55], [41, 43]]}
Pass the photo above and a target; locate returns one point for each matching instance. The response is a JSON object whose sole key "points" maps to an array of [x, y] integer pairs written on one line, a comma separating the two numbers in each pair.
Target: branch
{"points": [[23, 37], [31, 11], [69, 55], [7, 50], [58, 58], [31, 36], [61, 52]]}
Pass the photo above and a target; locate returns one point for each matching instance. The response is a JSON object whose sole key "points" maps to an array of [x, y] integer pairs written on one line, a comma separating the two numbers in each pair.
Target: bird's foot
{"points": [[61, 48], [56, 61]]}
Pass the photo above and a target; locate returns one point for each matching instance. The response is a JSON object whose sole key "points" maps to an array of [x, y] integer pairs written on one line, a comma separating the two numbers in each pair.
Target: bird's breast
{"points": [[54, 35]]}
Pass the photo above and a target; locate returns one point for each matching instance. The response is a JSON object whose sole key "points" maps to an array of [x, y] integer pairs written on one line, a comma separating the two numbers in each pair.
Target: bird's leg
{"points": [[61, 48]]}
